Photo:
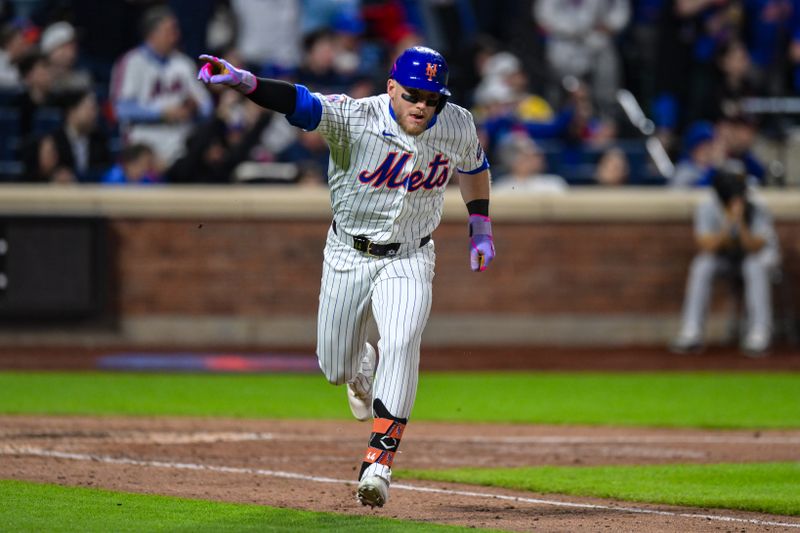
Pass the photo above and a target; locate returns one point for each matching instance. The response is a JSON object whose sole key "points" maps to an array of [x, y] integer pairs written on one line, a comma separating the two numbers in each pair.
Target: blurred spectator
{"points": [[737, 134], [356, 57], [701, 151], [586, 132], [588, 125], [137, 165], [76, 152], [494, 98], [526, 167], [737, 80], [37, 81], [217, 146], [691, 34], [477, 54], [311, 154], [734, 235], [580, 42], [505, 69], [613, 168], [13, 47], [501, 24], [318, 68], [767, 25], [268, 35], [61, 48], [503, 106], [154, 91]]}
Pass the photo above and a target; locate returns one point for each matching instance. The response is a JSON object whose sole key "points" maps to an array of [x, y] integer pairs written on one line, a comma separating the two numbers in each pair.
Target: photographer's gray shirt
{"points": [[710, 216]]}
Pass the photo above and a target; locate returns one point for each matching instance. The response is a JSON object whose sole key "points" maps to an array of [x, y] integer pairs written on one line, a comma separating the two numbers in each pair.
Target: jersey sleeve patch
{"points": [[480, 159]]}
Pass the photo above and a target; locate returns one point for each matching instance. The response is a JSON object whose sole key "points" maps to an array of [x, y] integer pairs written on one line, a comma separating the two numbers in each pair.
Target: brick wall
{"points": [[269, 268], [234, 266]]}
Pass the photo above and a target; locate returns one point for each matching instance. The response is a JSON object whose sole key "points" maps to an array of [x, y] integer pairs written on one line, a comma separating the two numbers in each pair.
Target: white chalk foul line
{"points": [[25, 450]]}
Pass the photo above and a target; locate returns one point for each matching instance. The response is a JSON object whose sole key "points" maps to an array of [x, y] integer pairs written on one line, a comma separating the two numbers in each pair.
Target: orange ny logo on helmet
{"points": [[430, 72]]}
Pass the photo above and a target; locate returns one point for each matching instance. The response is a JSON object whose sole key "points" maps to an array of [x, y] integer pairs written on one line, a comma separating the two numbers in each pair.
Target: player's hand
{"points": [[481, 242], [737, 207], [217, 71]]}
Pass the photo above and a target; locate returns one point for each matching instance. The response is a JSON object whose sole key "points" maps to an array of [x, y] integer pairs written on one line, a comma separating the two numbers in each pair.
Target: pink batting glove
{"points": [[218, 71], [481, 243]]}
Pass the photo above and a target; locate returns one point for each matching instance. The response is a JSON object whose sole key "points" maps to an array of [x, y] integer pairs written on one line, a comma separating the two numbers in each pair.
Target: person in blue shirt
{"points": [[701, 148], [136, 166]]}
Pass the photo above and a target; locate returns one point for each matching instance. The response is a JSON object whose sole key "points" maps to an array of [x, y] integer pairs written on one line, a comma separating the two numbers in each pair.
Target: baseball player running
{"points": [[391, 157]]}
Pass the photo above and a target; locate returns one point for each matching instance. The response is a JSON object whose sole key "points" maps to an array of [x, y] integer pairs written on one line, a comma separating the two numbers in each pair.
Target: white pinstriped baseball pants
{"points": [[395, 290]]}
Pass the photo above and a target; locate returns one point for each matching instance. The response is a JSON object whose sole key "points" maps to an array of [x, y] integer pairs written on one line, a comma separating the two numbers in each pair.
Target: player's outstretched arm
{"points": [[475, 192], [276, 95]]}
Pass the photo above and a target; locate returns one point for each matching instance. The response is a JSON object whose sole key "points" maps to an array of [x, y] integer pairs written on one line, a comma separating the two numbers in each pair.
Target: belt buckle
{"points": [[362, 244]]}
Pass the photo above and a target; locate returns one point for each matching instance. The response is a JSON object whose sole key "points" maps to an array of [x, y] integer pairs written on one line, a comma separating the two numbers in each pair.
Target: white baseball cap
{"points": [[501, 64], [493, 91], [56, 35]]}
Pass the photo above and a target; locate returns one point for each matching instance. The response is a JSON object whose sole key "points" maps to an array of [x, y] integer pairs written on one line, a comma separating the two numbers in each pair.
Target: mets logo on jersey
{"points": [[389, 173], [431, 71]]}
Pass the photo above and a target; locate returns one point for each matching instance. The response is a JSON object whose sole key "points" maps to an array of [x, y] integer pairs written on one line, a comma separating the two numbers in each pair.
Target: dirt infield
{"points": [[312, 464]]}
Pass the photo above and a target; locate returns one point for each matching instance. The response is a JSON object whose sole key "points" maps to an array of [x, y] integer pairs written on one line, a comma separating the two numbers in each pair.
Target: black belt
{"points": [[362, 244]]}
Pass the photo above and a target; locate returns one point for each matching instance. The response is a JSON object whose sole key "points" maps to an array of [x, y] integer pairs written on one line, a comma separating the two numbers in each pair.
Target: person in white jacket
{"points": [[153, 88], [580, 41]]}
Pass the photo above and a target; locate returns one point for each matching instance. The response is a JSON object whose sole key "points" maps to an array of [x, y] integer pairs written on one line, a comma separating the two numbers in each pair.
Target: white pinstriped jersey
{"points": [[385, 184]]}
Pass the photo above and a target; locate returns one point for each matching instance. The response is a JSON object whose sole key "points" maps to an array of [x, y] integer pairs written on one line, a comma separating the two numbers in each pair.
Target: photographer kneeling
{"points": [[734, 233]]}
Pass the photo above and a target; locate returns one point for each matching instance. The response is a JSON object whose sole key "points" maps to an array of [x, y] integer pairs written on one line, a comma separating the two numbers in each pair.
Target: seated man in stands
{"points": [[77, 151], [37, 81], [525, 166], [734, 233]]}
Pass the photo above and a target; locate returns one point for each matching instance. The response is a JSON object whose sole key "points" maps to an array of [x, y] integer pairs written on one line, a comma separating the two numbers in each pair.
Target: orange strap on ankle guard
{"points": [[374, 455], [386, 434], [388, 427]]}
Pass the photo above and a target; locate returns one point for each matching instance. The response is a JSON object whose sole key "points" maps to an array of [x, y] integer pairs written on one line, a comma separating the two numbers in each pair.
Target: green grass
{"points": [[762, 487], [36, 507], [713, 400]]}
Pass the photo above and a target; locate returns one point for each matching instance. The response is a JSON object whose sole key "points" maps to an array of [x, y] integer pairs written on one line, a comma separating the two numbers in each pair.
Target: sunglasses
{"points": [[414, 97]]}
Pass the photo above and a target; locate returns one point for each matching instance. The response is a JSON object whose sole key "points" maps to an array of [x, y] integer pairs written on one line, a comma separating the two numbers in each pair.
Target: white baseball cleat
{"points": [[359, 393], [373, 491]]}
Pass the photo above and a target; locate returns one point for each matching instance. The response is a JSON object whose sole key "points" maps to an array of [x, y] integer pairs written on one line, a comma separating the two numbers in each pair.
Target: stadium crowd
{"points": [[106, 91]]}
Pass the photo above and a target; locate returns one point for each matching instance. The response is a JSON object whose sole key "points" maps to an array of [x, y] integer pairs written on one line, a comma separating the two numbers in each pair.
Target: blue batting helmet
{"points": [[421, 68]]}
